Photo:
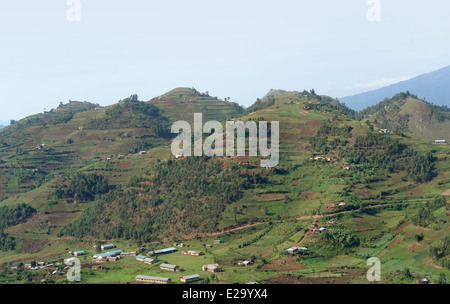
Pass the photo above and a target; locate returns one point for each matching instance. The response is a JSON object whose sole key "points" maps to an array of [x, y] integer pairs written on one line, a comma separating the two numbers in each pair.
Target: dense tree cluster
{"points": [[182, 197], [441, 252], [340, 238], [385, 152], [425, 215], [83, 187], [333, 130], [6, 242], [132, 113], [12, 215]]}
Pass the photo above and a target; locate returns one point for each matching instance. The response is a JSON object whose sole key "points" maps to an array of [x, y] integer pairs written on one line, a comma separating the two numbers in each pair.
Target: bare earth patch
{"points": [[446, 193], [267, 197], [30, 245], [284, 264], [332, 276]]}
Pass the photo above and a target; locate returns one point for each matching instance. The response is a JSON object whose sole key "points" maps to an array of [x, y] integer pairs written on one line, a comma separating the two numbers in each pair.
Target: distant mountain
{"points": [[433, 87], [406, 113]]}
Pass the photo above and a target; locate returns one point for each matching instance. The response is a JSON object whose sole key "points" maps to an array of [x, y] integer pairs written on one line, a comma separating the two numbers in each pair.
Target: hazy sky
{"points": [[238, 49]]}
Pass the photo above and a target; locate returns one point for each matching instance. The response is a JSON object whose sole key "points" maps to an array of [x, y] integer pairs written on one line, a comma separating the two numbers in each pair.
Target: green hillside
{"points": [[378, 195], [406, 113], [182, 103]]}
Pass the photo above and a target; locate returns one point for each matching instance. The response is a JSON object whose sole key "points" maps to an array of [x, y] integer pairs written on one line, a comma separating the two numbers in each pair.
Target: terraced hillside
{"points": [[406, 113], [377, 195]]}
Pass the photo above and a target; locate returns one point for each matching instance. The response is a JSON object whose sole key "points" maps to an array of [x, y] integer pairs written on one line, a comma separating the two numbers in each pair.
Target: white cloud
{"points": [[381, 83]]}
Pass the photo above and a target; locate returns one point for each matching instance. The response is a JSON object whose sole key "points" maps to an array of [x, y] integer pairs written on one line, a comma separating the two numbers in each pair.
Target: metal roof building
{"points": [[163, 251], [149, 261], [108, 254], [107, 246], [152, 279], [190, 278], [170, 267], [140, 257]]}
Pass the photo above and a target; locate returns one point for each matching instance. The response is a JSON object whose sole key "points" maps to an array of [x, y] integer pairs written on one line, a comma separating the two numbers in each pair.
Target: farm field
{"points": [[342, 191]]}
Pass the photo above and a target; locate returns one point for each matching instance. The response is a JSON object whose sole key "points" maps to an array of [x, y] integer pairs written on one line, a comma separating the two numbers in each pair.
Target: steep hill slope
{"points": [[377, 194], [182, 103], [415, 117]]}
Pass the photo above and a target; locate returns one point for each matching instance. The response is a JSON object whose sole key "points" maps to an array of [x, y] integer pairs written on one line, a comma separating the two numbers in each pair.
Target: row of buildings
{"points": [[162, 280]]}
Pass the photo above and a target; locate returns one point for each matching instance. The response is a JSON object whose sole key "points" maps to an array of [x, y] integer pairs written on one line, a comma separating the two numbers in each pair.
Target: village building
{"points": [[78, 253], [107, 246], [292, 250], [192, 252], [169, 267], [140, 258], [113, 259], [440, 141], [68, 261], [297, 249], [163, 251], [149, 261], [216, 242], [244, 263], [107, 255], [151, 279], [190, 278], [212, 268]]}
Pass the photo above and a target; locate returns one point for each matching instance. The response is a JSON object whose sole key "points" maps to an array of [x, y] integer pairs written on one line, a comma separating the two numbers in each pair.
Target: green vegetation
{"points": [[340, 238], [83, 187], [10, 216], [182, 197], [132, 113], [441, 252], [76, 179]]}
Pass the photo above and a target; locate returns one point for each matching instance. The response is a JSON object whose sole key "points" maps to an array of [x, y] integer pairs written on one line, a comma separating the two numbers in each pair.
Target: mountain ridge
{"points": [[432, 86]]}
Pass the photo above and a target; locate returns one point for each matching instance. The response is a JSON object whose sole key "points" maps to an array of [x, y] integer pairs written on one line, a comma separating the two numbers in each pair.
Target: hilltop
{"points": [[432, 87], [406, 113], [182, 103], [70, 184]]}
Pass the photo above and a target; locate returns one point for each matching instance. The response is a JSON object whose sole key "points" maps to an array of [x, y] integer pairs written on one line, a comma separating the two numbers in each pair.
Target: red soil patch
{"points": [[403, 226], [308, 195], [429, 262], [413, 191], [284, 264], [316, 123], [395, 242], [30, 245], [414, 247], [346, 276], [268, 197]]}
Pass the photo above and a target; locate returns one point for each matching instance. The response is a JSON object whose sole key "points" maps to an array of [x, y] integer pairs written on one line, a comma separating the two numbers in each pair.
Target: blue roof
{"points": [[141, 257], [109, 253], [165, 250]]}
